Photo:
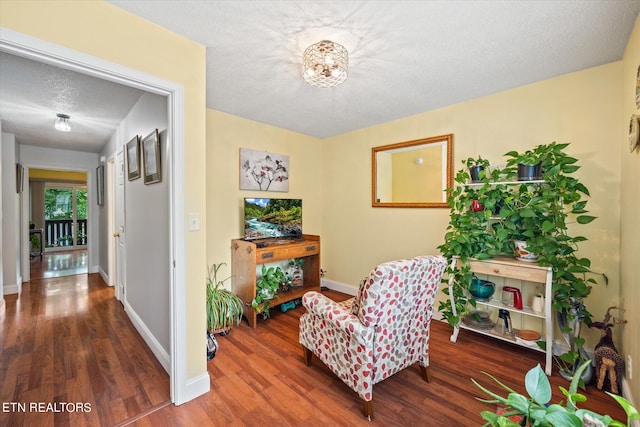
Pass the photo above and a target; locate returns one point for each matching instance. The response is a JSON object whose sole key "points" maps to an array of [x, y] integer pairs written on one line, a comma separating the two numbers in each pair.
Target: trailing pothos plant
{"points": [[486, 217], [538, 410]]}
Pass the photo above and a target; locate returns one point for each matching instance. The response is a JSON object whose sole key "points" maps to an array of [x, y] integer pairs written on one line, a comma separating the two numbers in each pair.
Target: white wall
{"points": [[148, 258], [12, 279], [49, 158]]}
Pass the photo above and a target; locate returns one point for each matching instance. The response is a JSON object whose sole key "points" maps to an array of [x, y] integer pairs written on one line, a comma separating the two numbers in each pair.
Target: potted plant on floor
{"points": [[536, 409], [224, 308], [267, 289]]}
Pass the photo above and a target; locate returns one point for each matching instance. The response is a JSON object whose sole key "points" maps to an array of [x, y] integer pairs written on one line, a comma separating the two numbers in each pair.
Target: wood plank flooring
{"points": [[70, 356], [259, 377], [68, 340], [59, 263]]}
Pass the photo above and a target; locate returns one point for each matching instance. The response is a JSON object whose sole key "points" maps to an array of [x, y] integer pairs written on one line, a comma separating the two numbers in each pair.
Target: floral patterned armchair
{"points": [[382, 330]]}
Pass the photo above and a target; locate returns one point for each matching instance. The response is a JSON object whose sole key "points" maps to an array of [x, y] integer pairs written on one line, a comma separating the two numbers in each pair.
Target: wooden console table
{"points": [[246, 256]]}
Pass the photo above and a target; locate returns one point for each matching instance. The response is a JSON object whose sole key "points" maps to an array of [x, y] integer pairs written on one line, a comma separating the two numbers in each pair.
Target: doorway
{"points": [[183, 386], [65, 217]]}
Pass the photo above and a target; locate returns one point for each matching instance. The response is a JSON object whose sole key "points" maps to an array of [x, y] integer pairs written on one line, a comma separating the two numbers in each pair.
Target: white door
{"points": [[119, 226]]}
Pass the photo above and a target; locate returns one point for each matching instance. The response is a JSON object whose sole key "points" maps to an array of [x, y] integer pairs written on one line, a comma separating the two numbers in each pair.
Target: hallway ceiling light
{"points": [[62, 123], [326, 64]]}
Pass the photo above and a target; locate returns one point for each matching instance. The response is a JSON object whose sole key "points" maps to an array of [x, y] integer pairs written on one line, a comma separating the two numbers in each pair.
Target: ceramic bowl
{"points": [[481, 290]]}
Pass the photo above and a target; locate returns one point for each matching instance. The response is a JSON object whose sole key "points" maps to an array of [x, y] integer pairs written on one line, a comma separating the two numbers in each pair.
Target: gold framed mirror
{"points": [[412, 174]]}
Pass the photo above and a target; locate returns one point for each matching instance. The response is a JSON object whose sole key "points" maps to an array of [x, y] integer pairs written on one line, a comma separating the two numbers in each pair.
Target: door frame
{"points": [[73, 187], [42, 51]]}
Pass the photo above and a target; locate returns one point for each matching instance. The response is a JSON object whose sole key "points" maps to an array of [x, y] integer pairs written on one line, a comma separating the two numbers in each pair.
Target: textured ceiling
{"points": [[32, 93], [405, 57]]}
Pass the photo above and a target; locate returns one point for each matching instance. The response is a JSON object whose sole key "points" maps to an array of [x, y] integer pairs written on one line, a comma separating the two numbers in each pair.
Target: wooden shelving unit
{"points": [[246, 256]]}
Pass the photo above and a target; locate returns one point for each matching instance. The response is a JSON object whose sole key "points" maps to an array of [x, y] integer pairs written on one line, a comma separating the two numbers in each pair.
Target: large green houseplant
{"points": [[537, 410], [538, 212], [224, 308]]}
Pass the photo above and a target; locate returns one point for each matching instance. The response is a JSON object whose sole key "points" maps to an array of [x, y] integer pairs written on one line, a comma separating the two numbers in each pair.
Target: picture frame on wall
{"points": [[133, 158], [263, 171], [100, 185], [19, 177], [638, 89], [151, 158]]}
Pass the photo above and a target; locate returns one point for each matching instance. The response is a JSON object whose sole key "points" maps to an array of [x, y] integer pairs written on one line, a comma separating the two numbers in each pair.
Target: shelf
{"points": [[499, 305], [295, 293], [480, 184], [508, 338]]}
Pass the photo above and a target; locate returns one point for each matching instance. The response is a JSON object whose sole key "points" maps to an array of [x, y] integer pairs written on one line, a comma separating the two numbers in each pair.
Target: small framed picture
{"points": [[100, 185], [151, 157], [133, 158], [638, 88], [19, 178]]}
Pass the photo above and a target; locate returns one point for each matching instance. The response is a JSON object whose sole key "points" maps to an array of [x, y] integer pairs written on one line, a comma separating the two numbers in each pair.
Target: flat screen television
{"points": [[266, 218]]}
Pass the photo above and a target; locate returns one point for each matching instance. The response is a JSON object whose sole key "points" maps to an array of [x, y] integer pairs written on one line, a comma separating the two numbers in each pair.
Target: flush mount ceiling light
{"points": [[62, 123], [326, 64]]}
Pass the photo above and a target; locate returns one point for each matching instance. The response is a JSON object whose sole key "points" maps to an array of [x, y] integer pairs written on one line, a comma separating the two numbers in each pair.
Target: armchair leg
{"points": [[426, 375], [367, 408], [307, 355]]}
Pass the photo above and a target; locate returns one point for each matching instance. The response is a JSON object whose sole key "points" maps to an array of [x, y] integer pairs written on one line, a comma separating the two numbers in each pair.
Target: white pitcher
{"points": [[537, 305]]}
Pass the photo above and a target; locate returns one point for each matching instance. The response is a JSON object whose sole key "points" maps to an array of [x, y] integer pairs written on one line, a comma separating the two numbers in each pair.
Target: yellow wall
{"points": [[105, 31], [630, 206], [583, 108], [413, 182], [226, 134], [588, 108], [52, 175]]}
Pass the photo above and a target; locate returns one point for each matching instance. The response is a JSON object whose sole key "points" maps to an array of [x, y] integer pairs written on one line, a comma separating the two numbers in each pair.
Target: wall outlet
{"points": [[629, 367]]}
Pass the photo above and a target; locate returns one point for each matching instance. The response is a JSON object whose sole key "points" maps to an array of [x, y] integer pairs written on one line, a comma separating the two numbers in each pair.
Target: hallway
{"points": [[59, 264], [70, 356]]}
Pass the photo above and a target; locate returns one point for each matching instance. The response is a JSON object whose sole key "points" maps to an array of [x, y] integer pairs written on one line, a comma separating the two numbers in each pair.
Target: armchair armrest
{"points": [[336, 316]]}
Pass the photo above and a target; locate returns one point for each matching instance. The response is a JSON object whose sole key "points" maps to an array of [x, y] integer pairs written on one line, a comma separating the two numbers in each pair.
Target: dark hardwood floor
{"points": [[67, 340], [59, 263], [259, 377]]}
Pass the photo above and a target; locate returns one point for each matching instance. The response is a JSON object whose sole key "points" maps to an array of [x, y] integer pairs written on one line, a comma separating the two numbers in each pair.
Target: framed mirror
{"points": [[412, 174]]}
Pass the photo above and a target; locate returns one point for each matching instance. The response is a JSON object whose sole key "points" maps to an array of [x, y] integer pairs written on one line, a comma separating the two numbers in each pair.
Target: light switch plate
{"points": [[194, 221]]}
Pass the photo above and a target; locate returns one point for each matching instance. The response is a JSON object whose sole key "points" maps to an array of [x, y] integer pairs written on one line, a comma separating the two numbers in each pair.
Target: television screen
{"points": [[272, 218]]}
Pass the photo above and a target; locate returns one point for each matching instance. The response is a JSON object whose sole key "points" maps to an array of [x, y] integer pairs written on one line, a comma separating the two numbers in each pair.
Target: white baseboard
{"points": [[147, 336], [94, 269], [196, 386], [16, 288], [340, 287], [104, 276]]}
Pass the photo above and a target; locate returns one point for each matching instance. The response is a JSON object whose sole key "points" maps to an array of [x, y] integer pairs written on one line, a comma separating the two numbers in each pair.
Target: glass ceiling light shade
{"points": [[326, 64], [62, 123]]}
